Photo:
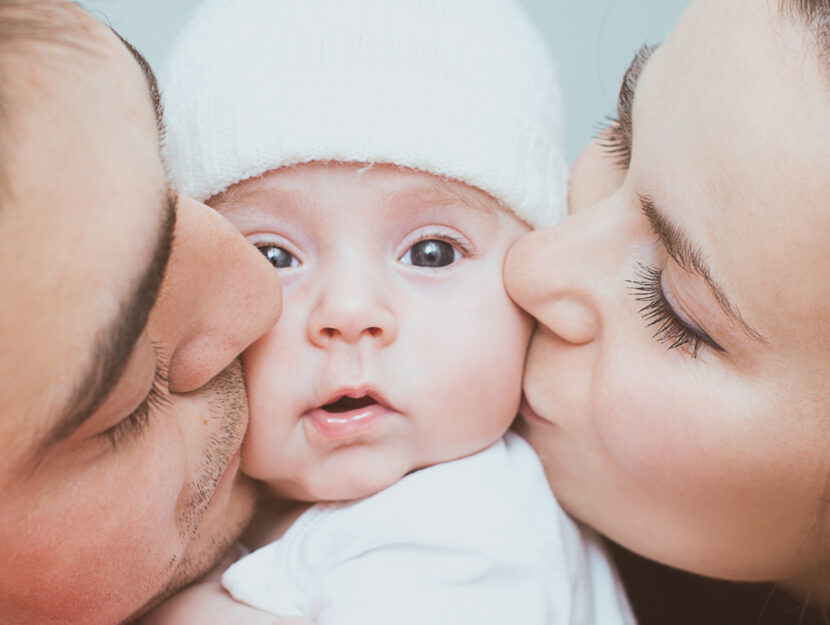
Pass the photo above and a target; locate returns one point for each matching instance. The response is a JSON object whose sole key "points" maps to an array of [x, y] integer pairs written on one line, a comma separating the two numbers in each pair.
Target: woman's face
{"points": [[678, 383]]}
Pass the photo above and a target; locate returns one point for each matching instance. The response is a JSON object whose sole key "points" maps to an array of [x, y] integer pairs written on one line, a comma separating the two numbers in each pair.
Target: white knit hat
{"points": [[465, 89]]}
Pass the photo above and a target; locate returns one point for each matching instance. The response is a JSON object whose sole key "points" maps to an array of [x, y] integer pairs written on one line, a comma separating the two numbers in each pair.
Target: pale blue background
{"points": [[593, 41]]}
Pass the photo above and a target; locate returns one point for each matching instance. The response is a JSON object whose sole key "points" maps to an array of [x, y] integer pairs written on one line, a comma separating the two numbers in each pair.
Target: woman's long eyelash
{"points": [[135, 424], [669, 328]]}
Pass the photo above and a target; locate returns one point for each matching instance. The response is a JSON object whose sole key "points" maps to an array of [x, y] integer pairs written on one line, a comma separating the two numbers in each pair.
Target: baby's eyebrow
{"points": [[447, 192], [243, 200]]}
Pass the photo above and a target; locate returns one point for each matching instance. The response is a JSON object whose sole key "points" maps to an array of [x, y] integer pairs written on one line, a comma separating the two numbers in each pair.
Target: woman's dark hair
{"points": [[816, 15]]}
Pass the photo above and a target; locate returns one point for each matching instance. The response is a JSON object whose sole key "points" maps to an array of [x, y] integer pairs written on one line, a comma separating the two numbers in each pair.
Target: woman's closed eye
{"points": [[670, 328]]}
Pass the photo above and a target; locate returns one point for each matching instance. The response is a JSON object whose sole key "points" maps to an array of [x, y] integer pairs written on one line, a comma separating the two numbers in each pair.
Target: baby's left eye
{"points": [[278, 256], [431, 253]]}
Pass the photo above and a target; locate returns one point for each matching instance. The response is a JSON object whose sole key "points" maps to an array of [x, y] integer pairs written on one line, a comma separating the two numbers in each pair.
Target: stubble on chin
{"points": [[228, 414], [227, 402]]}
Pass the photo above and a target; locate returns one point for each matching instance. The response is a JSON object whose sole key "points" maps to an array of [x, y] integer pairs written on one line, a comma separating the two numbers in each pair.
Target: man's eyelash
{"points": [[137, 422], [669, 327]]}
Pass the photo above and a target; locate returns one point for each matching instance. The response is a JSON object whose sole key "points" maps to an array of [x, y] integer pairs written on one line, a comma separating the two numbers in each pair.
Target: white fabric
{"points": [[479, 540], [460, 88]]}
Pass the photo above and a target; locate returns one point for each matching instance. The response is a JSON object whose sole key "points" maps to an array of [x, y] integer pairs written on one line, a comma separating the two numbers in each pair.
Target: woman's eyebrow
{"points": [[689, 257]]}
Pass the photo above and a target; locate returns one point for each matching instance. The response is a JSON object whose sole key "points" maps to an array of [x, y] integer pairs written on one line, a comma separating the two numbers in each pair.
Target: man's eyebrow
{"points": [[152, 82], [115, 342], [689, 257]]}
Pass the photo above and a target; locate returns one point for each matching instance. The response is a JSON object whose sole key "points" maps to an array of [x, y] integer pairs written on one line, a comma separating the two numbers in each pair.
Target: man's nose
{"points": [[219, 295], [351, 305], [565, 275]]}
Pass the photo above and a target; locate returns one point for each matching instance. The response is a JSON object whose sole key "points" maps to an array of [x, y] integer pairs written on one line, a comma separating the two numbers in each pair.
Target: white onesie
{"points": [[479, 540]]}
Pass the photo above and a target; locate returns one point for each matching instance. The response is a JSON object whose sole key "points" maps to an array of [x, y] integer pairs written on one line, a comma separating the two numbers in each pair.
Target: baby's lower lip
{"points": [[337, 426]]}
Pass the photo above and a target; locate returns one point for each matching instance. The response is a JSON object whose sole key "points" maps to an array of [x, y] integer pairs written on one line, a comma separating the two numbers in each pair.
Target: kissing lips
{"points": [[529, 413], [347, 416]]}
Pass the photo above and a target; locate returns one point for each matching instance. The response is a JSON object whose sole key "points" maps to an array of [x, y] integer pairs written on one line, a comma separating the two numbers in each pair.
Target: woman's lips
{"points": [[529, 413], [347, 417]]}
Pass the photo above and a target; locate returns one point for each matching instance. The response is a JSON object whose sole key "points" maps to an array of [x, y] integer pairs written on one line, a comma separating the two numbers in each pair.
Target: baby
{"points": [[383, 155]]}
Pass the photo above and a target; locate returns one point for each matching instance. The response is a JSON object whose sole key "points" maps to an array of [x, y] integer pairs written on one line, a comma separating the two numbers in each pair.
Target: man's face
{"points": [[123, 405]]}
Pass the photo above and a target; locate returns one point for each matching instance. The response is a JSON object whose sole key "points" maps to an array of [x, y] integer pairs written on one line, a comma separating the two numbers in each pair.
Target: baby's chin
{"points": [[335, 485]]}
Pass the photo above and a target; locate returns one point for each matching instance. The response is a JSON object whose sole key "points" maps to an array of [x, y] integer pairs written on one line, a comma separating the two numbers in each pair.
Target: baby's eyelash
{"points": [[442, 234], [669, 327]]}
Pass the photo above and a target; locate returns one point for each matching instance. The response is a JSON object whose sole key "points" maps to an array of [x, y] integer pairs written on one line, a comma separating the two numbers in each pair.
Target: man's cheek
{"points": [[59, 561]]}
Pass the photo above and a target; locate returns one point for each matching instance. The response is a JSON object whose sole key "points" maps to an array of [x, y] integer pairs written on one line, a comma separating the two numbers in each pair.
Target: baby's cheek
{"points": [[494, 379], [272, 402]]}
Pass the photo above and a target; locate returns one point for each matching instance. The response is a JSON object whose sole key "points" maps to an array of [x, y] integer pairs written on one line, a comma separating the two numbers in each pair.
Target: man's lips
{"points": [[230, 471]]}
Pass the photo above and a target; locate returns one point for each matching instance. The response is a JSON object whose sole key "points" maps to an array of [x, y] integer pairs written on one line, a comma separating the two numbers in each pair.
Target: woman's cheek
{"points": [[655, 429]]}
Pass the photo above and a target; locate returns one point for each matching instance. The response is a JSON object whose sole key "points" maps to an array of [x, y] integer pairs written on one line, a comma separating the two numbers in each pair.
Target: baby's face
{"points": [[398, 346]]}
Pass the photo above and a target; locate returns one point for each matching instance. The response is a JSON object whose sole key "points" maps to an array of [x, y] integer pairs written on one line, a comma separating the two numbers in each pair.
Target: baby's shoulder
{"points": [[494, 506]]}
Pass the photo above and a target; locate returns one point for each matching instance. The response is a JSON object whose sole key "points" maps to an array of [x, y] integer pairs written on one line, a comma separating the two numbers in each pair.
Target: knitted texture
{"points": [[465, 89]]}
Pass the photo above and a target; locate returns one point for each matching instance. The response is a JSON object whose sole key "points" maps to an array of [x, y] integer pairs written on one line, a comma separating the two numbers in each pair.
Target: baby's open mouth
{"points": [[345, 404]]}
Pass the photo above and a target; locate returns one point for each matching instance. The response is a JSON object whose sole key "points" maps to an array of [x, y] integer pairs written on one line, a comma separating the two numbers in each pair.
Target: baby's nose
{"points": [[351, 315]]}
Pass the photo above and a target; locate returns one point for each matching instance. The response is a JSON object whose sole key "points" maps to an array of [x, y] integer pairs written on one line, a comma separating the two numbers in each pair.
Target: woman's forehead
{"points": [[730, 119]]}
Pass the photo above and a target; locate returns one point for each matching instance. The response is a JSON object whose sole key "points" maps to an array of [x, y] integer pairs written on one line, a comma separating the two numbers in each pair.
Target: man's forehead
{"points": [[47, 46], [84, 223]]}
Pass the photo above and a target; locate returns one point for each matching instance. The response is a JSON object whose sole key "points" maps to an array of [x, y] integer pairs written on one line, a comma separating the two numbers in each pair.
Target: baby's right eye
{"points": [[278, 256]]}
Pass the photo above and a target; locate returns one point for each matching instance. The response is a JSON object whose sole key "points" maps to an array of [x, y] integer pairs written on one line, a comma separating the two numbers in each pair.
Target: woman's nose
{"points": [[219, 295], [563, 275], [351, 306]]}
